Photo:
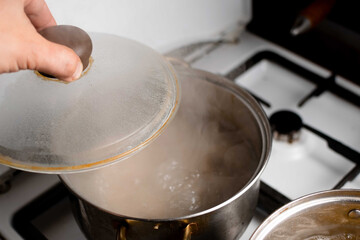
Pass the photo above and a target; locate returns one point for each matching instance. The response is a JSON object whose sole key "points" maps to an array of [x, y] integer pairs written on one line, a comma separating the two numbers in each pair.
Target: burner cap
{"points": [[286, 125]]}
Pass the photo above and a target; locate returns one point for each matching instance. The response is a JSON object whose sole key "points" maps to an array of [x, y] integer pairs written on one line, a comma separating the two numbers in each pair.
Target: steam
{"points": [[203, 158]]}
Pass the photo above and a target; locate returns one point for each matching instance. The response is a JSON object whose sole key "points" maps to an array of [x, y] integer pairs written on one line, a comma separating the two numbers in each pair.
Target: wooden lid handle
{"points": [[72, 37]]}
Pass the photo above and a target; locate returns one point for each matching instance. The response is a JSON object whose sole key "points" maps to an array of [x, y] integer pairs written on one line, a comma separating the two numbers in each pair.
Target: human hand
{"points": [[22, 47]]}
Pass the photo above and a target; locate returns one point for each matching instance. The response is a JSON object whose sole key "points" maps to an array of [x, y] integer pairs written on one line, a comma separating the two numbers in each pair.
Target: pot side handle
{"points": [[121, 232], [187, 231]]}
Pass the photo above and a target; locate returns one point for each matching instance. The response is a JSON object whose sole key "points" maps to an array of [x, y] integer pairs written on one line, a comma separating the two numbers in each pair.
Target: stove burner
{"points": [[286, 125], [6, 178]]}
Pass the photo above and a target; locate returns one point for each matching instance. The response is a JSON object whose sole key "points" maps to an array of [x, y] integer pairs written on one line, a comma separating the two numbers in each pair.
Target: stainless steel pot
{"points": [[328, 215], [204, 96]]}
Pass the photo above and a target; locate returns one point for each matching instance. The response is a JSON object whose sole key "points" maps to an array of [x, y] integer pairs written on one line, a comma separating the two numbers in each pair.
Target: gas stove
{"points": [[319, 149], [315, 118]]}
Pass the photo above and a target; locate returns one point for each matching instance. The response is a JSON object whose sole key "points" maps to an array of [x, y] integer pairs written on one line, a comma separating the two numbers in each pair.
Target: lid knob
{"points": [[72, 37]]}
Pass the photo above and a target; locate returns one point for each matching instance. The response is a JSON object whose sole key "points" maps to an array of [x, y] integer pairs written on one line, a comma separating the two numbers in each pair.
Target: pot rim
{"points": [[266, 137]]}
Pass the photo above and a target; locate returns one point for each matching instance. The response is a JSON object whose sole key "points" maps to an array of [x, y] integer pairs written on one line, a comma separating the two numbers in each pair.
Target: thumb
{"points": [[57, 60]]}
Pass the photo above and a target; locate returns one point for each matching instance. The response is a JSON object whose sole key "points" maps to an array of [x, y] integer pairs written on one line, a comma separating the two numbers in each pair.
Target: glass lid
{"points": [[124, 99]]}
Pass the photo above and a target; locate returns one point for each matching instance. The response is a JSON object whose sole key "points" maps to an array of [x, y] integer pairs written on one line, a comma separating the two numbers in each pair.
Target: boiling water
{"points": [[342, 236], [183, 172], [324, 222]]}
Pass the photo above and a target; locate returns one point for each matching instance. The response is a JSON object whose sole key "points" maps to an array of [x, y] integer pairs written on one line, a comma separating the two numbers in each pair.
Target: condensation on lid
{"points": [[123, 102]]}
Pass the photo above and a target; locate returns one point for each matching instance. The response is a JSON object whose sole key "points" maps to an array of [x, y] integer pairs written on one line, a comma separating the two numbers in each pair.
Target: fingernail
{"points": [[78, 71]]}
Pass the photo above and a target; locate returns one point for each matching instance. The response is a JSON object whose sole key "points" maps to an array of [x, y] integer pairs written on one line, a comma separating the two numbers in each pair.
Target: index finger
{"points": [[39, 14]]}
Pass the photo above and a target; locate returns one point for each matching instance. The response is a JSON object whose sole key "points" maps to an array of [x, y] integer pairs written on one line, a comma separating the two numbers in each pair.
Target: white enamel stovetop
{"points": [[294, 169]]}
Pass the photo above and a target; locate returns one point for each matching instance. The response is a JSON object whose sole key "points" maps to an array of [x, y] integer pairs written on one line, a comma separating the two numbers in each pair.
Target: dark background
{"points": [[333, 44]]}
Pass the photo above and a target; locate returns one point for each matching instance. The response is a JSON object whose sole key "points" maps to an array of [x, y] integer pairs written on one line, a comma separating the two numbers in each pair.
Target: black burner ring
{"points": [[286, 125]]}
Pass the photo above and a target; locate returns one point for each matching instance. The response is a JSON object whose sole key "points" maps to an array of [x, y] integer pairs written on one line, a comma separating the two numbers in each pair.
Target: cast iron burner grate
{"points": [[287, 123]]}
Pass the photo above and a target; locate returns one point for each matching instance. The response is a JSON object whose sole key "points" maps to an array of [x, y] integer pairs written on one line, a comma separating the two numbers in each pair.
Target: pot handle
{"points": [[121, 232], [187, 231], [176, 61]]}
